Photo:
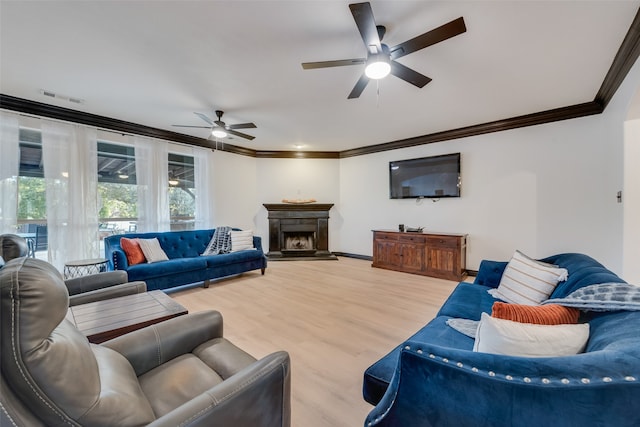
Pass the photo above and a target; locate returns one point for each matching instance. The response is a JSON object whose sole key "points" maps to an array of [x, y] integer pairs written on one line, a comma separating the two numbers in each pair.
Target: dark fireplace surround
{"points": [[299, 231]]}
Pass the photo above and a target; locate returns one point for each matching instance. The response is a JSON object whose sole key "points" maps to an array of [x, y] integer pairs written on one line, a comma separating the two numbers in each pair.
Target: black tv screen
{"points": [[432, 177]]}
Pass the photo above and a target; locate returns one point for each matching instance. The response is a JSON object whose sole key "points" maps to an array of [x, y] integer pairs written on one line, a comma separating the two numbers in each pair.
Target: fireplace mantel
{"points": [[298, 231]]}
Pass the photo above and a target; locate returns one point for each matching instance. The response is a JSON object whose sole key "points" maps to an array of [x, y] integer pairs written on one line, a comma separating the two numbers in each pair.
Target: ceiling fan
{"points": [[381, 59], [220, 129]]}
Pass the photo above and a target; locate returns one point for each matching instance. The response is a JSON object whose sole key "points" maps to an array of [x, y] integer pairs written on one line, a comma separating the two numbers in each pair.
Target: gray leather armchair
{"points": [[94, 287], [100, 286], [178, 372]]}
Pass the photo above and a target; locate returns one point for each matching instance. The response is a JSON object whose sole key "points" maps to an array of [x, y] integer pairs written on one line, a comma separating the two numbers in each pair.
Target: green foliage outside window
{"points": [[117, 200], [31, 198]]}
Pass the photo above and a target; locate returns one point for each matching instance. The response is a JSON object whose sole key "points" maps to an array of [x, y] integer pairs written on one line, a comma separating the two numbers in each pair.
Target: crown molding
{"points": [[297, 154], [625, 58], [40, 109], [557, 114]]}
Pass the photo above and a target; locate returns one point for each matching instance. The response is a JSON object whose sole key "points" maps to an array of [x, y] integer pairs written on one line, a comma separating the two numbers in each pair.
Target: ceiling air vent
{"points": [[61, 97]]}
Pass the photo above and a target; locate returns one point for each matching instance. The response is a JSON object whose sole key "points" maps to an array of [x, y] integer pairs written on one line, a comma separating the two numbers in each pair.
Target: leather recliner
{"points": [[177, 372], [82, 290]]}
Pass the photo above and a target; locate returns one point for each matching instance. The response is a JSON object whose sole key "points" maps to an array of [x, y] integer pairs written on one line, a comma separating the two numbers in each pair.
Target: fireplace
{"points": [[299, 241], [298, 231]]}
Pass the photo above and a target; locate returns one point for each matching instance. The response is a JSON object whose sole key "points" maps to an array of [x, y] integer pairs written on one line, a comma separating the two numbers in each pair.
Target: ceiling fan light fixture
{"points": [[219, 133], [378, 66]]}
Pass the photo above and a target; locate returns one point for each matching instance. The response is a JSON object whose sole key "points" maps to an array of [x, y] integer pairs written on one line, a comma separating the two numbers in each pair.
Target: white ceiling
{"points": [[157, 62]]}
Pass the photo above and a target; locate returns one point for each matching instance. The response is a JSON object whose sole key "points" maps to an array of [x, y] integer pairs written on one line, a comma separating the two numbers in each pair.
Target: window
{"points": [[182, 196], [117, 186], [32, 207], [117, 191]]}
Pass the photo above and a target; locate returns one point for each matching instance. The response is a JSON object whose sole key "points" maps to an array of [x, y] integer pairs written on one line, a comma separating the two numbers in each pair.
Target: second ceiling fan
{"points": [[220, 129], [381, 59]]}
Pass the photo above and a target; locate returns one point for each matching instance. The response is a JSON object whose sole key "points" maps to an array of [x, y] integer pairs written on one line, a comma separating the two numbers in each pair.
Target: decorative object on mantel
{"points": [[298, 201]]}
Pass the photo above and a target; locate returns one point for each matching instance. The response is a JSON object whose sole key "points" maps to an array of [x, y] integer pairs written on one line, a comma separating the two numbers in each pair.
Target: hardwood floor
{"points": [[335, 318]]}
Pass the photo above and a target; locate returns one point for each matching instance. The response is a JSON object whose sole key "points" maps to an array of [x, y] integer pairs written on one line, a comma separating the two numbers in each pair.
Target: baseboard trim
{"points": [[356, 256]]}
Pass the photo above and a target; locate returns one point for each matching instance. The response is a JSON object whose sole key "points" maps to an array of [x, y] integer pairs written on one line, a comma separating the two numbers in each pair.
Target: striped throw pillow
{"points": [[549, 314], [152, 250], [241, 240], [527, 281]]}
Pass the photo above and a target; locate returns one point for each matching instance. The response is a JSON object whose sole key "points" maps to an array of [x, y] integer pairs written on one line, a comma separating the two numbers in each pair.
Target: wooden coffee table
{"points": [[102, 320]]}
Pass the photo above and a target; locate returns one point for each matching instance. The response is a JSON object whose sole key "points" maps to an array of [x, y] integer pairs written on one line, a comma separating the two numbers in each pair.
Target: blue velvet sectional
{"points": [[435, 379], [185, 265]]}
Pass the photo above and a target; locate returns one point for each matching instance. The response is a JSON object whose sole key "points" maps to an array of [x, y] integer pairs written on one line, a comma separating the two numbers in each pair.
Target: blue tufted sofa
{"points": [[185, 265], [435, 379]]}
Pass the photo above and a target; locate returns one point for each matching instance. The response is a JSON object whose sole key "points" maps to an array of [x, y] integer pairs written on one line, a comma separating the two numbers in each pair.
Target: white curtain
{"points": [[202, 181], [9, 170], [152, 178], [69, 155]]}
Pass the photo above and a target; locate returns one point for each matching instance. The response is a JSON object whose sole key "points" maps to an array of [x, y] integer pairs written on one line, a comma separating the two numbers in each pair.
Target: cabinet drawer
{"points": [[412, 238], [443, 241], [386, 236]]}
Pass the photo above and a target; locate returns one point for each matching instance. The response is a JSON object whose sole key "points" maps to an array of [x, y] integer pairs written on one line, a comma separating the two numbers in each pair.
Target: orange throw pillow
{"points": [[549, 314], [132, 250]]}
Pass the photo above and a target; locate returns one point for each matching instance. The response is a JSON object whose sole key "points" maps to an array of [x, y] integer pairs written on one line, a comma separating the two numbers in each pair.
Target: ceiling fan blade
{"points": [[408, 75], [198, 127], [338, 63], [241, 126], [363, 15], [359, 87], [240, 134], [219, 123], [205, 118], [443, 32]]}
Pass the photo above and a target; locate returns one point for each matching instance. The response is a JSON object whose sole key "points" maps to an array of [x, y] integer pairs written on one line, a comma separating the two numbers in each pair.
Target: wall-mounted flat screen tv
{"points": [[432, 177]]}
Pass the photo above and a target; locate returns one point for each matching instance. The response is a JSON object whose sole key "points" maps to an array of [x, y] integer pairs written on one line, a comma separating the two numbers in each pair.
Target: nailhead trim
{"points": [[528, 380]]}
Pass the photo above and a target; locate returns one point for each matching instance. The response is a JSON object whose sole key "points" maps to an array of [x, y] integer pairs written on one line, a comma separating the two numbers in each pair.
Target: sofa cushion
{"points": [[152, 250], [584, 271], [176, 382], [467, 301], [499, 336], [241, 240], [173, 266], [132, 250], [527, 281], [551, 314], [231, 258]]}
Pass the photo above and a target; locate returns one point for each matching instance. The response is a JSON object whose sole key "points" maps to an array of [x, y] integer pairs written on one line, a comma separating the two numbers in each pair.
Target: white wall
{"points": [[234, 190], [631, 195], [542, 190]]}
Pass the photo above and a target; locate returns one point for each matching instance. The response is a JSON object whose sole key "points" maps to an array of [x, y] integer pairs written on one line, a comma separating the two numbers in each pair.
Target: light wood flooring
{"points": [[335, 318]]}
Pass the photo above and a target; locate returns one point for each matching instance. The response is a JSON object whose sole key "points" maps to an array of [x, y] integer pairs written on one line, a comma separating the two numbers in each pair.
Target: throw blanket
{"points": [[220, 242], [602, 297], [467, 327]]}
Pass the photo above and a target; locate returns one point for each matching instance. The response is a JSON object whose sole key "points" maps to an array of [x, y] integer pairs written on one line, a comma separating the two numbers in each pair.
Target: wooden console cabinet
{"points": [[431, 254]]}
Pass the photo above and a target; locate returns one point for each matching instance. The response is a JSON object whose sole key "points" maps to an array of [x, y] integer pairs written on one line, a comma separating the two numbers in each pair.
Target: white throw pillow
{"points": [[241, 240], [152, 250], [527, 281], [500, 336]]}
